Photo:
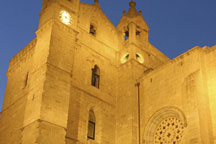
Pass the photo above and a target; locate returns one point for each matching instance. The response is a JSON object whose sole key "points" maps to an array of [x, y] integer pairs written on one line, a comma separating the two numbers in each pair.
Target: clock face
{"points": [[124, 58], [65, 17], [140, 58]]}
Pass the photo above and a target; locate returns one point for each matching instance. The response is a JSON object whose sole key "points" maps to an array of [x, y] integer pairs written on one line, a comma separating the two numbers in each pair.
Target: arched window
{"points": [[95, 76], [91, 125], [126, 35]]}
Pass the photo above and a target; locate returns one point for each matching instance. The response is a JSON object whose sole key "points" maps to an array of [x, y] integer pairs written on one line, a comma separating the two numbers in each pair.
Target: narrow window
{"points": [[126, 35], [138, 32], [26, 80], [92, 30], [91, 125], [95, 76]]}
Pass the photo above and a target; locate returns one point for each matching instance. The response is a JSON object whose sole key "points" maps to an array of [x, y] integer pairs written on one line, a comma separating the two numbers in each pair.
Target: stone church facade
{"points": [[84, 81]]}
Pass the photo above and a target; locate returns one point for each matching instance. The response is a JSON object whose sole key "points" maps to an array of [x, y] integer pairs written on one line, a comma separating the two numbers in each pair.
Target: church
{"points": [[84, 81]]}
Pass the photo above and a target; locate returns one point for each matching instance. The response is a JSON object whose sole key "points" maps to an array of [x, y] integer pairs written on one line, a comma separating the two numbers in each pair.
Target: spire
{"points": [[132, 11]]}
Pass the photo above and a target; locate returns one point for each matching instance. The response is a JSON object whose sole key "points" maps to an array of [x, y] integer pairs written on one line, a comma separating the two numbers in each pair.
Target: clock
{"points": [[139, 58], [65, 17], [124, 58]]}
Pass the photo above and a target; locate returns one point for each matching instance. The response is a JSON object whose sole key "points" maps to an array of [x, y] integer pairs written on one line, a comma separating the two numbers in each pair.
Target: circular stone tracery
{"points": [[169, 131]]}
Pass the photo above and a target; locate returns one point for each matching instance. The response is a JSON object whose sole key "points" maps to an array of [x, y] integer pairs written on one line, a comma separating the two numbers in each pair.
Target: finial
{"points": [[140, 12], [132, 11], [132, 3], [96, 2], [124, 12]]}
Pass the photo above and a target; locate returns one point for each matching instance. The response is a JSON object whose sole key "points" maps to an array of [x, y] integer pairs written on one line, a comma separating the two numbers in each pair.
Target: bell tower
{"points": [[134, 32], [136, 57], [51, 9], [52, 65]]}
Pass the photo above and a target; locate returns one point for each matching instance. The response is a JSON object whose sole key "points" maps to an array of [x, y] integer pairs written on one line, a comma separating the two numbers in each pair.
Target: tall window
{"points": [[95, 76], [91, 125], [138, 30], [126, 35], [92, 29], [26, 80]]}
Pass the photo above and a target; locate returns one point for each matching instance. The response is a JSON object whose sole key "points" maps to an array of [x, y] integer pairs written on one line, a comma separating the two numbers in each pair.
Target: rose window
{"points": [[169, 131]]}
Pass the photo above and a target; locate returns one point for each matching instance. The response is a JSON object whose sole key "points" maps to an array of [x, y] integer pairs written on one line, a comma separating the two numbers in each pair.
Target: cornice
{"points": [[27, 51]]}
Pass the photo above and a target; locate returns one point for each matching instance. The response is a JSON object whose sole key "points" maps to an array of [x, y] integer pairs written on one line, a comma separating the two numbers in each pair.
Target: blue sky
{"points": [[175, 25]]}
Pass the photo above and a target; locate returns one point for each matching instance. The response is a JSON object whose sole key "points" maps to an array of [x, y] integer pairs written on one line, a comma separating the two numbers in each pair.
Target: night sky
{"points": [[175, 25]]}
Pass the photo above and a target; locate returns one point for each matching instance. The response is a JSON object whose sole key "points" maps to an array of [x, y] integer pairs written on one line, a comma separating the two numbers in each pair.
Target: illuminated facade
{"points": [[83, 80]]}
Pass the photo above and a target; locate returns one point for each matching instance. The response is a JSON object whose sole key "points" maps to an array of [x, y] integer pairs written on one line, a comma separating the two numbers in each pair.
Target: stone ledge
{"points": [[24, 52]]}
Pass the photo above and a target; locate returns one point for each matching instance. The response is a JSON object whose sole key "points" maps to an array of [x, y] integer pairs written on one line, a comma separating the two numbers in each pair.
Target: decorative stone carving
{"points": [[169, 131], [166, 126]]}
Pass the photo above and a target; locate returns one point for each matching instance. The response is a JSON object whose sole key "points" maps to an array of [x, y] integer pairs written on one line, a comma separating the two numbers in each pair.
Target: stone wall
{"points": [[179, 84], [49, 92]]}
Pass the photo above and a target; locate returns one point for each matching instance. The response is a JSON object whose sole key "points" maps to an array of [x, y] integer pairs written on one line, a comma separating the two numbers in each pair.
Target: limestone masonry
{"points": [[84, 81]]}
